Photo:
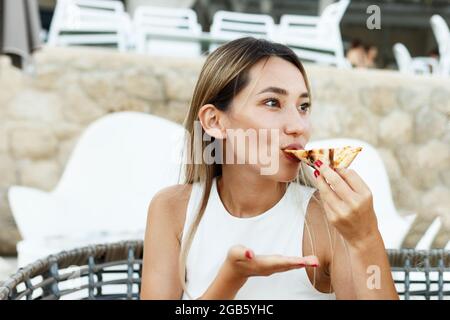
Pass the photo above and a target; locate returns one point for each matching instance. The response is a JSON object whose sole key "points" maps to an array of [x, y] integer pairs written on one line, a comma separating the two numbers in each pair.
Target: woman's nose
{"points": [[295, 124]]}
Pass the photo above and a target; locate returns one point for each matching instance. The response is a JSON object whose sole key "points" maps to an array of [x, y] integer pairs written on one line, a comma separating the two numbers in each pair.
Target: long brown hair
{"points": [[224, 74]]}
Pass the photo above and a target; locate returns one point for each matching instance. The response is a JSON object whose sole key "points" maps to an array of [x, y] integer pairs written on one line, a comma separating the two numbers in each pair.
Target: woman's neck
{"points": [[246, 194]]}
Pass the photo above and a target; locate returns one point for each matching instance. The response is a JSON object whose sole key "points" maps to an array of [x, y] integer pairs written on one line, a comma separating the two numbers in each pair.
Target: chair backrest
{"points": [[234, 25], [170, 21], [118, 164], [78, 14], [159, 18], [294, 28], [132, 5], [441, 32], [369, 165], [96, 17], [331, 17], [316, 38]]}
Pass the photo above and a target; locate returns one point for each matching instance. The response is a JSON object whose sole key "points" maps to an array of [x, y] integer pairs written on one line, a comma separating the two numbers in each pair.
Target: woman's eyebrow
{"points": [[282, 91], [274, 90], [304, 95]]}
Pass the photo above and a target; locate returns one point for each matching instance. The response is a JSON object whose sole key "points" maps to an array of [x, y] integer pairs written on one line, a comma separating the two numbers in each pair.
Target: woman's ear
{"points": [[211, 119]]}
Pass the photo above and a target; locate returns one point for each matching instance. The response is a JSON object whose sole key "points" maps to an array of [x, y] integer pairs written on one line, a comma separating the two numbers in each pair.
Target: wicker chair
{"points": [[84, 273], [418, 274]]}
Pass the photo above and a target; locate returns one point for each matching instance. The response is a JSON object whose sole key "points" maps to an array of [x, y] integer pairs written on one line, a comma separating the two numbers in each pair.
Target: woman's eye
{"points": [[272, 103], [305, 107]]}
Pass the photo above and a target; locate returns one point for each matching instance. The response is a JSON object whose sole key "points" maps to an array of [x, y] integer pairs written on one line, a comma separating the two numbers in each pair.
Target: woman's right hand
{"points": [[241, 263]]}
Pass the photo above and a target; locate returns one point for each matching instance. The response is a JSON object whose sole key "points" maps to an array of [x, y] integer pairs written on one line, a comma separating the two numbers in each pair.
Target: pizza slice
{"points": [[334, 157]]}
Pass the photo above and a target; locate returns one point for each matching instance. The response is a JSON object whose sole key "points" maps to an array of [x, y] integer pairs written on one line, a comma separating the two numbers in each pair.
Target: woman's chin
{"points": [[286, 174], [286, 171]]}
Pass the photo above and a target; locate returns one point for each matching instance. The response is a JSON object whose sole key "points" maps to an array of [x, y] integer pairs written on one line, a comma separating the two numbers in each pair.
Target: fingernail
{"points": [[314, 265], [318, 163], [316, 173], [248, 254]]}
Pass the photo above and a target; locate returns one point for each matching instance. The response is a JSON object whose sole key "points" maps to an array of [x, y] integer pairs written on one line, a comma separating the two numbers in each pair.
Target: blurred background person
{"points": [[356, 55]]}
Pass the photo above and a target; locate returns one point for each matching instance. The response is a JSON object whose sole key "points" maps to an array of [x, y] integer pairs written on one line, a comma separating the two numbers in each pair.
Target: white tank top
{"points": [[279, 230]]}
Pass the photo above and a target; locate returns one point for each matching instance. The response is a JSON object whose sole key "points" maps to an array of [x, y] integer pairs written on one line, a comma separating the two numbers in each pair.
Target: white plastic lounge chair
{"points": [[170, 22], [316, 38], [90, 22], [118, 164]]}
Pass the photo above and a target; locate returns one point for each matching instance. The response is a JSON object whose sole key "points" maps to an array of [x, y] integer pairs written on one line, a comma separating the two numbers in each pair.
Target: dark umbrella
{"points": [[20, 28]]}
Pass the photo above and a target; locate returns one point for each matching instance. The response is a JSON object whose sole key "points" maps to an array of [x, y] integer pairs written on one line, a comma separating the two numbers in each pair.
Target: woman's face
{"points": [[273, 113]]}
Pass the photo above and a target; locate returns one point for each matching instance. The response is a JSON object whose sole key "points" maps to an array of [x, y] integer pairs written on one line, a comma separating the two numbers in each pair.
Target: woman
{"points": [[233, 232]]}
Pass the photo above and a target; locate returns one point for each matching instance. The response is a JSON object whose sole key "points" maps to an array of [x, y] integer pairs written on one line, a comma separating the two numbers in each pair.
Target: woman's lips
{"points": [[294, 146], [290, 156]]}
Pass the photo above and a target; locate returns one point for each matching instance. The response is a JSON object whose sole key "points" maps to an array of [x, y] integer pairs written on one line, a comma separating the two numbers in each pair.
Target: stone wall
{"points": [[43, 114]]}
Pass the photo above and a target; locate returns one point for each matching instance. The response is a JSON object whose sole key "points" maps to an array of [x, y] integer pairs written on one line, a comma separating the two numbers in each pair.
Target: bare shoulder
{"points": [[173, 195], [166, 214], [169, 205]]}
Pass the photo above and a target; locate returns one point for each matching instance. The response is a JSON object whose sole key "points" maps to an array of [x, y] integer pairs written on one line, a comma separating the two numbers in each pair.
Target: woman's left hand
{"points": [[348, 203]]}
